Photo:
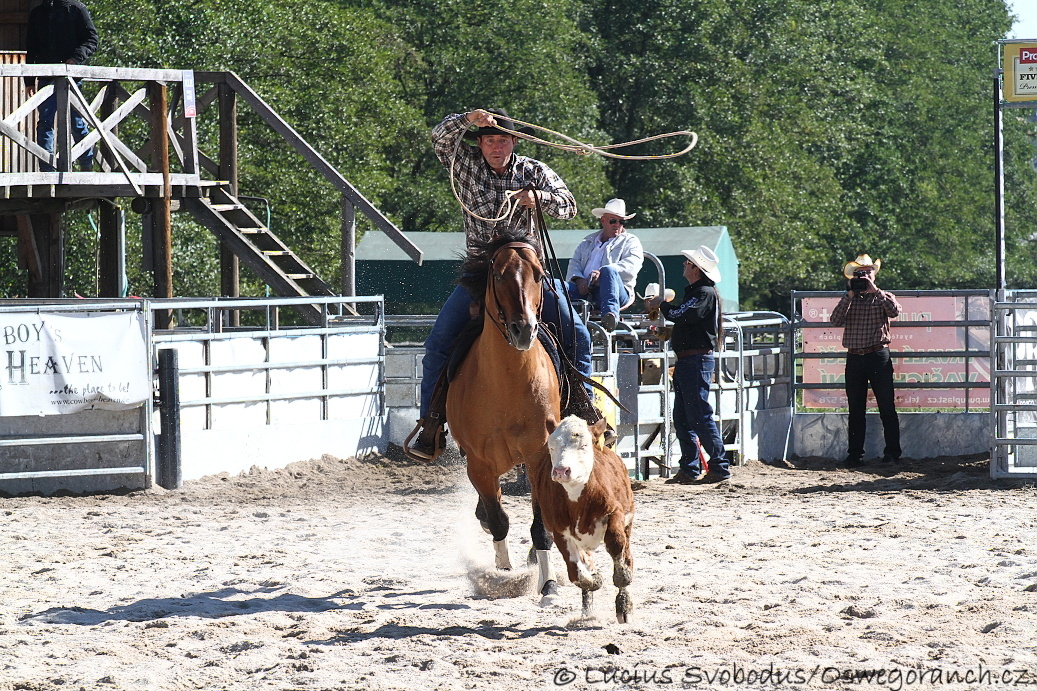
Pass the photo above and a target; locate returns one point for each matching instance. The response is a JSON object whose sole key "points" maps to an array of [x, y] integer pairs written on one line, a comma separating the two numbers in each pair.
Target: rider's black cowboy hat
{"points": [[503, 119]]}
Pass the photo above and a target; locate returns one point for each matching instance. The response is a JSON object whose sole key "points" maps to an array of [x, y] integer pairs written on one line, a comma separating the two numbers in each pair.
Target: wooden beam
{"points": [[323, 167], [62, 127], [348, 247], [100, 129], [230, 266], [28, 253], [112, 251], [102, 74], [163, 229]]}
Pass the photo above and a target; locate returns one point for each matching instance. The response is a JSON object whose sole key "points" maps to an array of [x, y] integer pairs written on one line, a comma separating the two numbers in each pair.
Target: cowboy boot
{"points": [[431, 441]]}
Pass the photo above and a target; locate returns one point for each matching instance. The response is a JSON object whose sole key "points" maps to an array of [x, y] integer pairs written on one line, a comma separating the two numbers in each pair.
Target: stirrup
{"points": [[438, 443]]}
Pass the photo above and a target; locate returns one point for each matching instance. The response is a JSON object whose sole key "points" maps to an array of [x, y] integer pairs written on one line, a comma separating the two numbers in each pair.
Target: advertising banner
{"points": [[59, 363], [1019, 82], [917, 340]]}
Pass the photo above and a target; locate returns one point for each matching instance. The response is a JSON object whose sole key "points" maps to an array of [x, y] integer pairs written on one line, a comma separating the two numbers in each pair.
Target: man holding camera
{"points": [[864, 312]]}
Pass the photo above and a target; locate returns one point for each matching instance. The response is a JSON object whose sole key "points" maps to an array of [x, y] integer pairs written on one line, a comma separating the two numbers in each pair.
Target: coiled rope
{"points": [[510, 204]]}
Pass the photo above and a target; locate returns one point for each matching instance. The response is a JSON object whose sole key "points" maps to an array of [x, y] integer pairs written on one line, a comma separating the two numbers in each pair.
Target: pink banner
{"points": [[917, 340]]}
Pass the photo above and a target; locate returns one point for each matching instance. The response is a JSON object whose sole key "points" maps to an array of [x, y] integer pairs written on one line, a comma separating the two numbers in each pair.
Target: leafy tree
{"points": [[523, 56], [826, 129]]}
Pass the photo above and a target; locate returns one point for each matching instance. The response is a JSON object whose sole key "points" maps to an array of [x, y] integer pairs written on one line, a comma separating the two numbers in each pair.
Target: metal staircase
{"points": [[261, 250]]}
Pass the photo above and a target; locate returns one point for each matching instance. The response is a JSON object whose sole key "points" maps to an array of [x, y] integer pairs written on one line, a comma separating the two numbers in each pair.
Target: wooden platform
{"points": [[51, 192]]}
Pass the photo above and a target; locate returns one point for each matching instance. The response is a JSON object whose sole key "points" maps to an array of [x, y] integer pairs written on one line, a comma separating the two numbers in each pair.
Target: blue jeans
{"points": [[693, 415], [609, 293], [45, 130], [454, 315], [875, 369]]}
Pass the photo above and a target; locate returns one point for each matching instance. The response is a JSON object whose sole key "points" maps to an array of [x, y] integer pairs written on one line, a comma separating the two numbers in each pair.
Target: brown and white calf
{"points": [[585, 498]]}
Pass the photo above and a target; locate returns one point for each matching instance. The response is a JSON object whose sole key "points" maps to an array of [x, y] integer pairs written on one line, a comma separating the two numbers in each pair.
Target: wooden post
{"points": [[348, 247], [41, 243], [112, 220], [230, 267], [62, 126], [163, 238], [112, 250]]}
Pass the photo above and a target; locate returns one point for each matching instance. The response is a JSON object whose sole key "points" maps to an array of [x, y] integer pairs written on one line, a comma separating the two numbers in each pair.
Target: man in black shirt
{"points": [[696, 334]]}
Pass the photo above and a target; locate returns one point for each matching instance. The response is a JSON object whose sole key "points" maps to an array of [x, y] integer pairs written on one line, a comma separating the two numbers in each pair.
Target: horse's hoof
{"points": [[552, 602], [623, 617], [550, 588], [486, 528]]}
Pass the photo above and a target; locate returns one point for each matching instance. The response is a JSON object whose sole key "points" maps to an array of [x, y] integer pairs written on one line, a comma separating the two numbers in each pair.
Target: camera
{"points": [[859, 282]]}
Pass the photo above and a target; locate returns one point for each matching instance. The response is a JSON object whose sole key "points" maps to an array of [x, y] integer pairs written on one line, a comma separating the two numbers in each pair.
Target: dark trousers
{"points": [[875, 369], [693, 420]]}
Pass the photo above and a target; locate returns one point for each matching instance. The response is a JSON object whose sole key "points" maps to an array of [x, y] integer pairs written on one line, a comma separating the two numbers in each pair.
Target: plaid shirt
{"points": [[865, 318], [482, 190]]}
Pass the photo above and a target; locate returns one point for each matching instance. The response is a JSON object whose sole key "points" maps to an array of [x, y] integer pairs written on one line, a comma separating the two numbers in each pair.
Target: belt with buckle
{"points": [[692, 351], [866, 351]]}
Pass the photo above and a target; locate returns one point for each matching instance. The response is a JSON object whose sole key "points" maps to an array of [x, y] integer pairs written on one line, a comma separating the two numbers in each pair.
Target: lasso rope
{"points": [[583, 149], [510, 205]]}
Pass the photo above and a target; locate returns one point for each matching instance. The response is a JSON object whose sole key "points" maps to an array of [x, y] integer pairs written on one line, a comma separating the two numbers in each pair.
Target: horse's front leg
{"points": [[492, 516], [547, 584]]}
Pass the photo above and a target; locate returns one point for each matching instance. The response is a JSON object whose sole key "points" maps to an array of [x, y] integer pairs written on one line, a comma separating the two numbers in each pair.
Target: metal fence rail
{"points": [[976, 318], [204, 323], [337, 321]]}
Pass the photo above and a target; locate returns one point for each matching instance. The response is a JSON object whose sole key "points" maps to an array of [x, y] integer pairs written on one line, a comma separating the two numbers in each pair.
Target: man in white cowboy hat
{"points": [[864, 313], [605, 264], [697, 332], [483, 174]]}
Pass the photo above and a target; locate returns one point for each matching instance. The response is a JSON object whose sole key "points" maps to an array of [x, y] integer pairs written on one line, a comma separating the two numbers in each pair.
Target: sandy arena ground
{"points": [[373, 574]]}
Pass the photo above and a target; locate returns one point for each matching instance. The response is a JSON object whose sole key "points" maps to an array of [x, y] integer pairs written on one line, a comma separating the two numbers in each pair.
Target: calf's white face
{"points": [[572, 455]]}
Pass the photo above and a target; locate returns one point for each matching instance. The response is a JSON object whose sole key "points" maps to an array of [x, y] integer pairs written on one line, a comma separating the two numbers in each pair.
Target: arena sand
{"points": [[373, 574]]}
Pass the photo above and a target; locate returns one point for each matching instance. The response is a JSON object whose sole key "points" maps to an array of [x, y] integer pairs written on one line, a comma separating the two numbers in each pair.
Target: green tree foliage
{"points": [[826, 129], [523, 56]]}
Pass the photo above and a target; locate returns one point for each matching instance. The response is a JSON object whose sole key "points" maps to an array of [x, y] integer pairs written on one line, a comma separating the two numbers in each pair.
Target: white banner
{"points": [[57, 363]]}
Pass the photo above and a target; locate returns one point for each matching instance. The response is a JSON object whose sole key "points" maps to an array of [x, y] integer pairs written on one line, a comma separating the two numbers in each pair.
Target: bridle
{"points": [[501, 317]]}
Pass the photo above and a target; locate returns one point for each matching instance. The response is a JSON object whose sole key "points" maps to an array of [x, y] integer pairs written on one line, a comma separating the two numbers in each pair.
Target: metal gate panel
{"points": [[1013, 385]]}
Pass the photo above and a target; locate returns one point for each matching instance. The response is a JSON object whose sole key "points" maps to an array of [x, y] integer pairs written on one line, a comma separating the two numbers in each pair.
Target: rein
{"points": [[499, 321]]}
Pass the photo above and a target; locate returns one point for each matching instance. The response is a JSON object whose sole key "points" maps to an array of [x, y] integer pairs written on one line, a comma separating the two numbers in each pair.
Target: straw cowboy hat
{"points": [[616, 207], [503, 119], [706, 260], [863, 261]]}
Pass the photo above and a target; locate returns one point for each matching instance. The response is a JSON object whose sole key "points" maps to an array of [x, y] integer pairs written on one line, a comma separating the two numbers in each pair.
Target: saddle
{"points": [[574, 396]]}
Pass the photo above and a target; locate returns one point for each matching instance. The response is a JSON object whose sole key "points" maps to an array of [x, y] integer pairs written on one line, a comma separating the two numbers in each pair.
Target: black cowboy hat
{"points": [[503, 119]]}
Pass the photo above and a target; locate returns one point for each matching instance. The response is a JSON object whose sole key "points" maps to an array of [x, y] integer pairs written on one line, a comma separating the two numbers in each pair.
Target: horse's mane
{"points": [[476, 266]]}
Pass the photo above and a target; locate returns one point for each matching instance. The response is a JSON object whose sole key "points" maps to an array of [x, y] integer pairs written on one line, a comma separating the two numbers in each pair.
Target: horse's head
{"points": [[514, 294], [506, 272]]}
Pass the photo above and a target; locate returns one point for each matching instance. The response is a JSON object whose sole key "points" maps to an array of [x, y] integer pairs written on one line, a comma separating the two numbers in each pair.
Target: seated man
{"points": [[605, 265], [483, 174]]}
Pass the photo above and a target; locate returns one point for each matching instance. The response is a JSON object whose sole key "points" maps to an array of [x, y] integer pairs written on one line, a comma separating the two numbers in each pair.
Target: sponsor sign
{"points": [[57, 363], [190, 106], [918, 367], [1019, 81]]}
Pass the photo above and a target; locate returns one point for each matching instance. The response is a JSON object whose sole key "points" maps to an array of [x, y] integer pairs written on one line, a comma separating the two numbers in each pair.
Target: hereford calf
{"points": [[585, 497]]}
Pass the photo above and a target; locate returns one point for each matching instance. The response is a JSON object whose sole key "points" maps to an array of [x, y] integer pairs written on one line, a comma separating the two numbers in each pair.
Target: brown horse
{"points": [[504, 399]]}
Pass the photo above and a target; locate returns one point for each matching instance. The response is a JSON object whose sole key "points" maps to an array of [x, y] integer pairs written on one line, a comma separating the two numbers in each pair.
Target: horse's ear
{"points": [[597, 431]]}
